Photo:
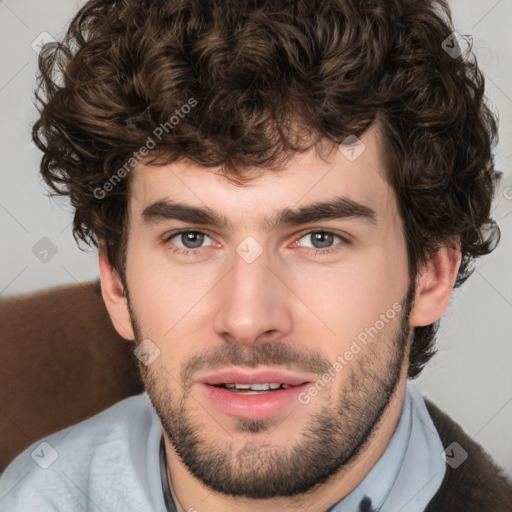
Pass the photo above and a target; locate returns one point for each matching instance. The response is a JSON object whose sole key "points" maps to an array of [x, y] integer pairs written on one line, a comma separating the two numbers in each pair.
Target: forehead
{"points": [[306, 179]]}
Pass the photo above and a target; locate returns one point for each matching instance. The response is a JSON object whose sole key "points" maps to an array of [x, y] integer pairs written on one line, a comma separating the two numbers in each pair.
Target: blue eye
{"points": [[322, 239], [192, 241]]}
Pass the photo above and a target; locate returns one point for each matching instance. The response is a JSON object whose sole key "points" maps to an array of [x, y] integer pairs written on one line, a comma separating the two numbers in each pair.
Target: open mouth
{"points": [[253, 394], [254, 389]]}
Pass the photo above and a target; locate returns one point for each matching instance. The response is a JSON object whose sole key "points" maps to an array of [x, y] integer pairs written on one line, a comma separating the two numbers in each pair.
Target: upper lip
{"points": [[252, 376]]}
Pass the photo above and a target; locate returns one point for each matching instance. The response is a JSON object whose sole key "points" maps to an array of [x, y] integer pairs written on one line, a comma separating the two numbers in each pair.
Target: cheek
{"points": [[351, 298], [166, 297]]}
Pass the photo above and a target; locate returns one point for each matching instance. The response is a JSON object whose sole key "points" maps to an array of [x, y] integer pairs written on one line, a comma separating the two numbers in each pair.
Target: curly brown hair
{"points": [[270, 78]]}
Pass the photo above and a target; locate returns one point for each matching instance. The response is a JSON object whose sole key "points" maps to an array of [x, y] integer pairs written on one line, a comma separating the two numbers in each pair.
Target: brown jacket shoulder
{"points": [[477, 485]]}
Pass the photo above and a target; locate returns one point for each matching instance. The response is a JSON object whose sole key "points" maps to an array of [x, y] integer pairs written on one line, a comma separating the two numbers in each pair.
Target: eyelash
{"points": [[315, 252]]}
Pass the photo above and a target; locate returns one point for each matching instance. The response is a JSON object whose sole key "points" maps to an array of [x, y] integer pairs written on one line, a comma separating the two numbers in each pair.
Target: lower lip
{"points": [[252, 407]]}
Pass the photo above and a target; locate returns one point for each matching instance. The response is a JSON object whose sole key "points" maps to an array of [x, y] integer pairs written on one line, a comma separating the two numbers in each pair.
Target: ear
{"points": [[434, 285], [112, 290]]}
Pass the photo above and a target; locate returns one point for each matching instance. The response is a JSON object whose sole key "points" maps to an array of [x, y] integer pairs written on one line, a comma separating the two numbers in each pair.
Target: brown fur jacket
{"points": [[477, 484]]}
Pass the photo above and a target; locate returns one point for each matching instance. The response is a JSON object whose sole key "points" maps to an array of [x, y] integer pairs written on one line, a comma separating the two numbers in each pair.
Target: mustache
{"points": [[265, 354]]}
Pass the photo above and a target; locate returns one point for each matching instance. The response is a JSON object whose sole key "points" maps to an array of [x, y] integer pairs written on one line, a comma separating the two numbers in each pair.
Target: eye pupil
{"points": [[325, 239], [192, 237]]}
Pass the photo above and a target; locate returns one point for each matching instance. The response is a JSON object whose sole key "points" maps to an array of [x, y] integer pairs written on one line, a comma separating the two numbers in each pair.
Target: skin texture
{"points": [[288, 309]]}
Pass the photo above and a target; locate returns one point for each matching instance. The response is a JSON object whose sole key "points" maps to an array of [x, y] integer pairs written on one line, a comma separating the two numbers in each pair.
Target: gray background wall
{"points": [[471, 377]]}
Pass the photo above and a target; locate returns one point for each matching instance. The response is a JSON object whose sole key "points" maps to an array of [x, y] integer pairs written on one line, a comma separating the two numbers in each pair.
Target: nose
{"points": [[254, 304]]}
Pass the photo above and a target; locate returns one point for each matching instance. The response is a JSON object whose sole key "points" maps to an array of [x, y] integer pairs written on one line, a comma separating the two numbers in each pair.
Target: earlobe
{"points": [[434, 286], [113, 293]]}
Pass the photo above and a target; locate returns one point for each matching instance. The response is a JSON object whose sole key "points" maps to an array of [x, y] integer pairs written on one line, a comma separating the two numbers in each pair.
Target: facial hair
{"points": [[339, 428]]}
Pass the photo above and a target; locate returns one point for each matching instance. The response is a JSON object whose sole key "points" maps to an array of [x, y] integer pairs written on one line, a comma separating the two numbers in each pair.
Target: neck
{"points": [[192, 494]]}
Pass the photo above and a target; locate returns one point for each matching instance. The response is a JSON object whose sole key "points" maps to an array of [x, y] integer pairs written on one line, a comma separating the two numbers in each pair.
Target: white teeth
{"points": [[254, 387], [257, 387]]}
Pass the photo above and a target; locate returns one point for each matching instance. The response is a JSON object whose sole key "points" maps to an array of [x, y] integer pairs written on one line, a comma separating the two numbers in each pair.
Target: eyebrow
{"points": [[337, 208]]}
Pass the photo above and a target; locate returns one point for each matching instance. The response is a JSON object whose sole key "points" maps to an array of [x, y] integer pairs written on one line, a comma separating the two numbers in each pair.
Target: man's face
{"points": [[250, 304]]}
